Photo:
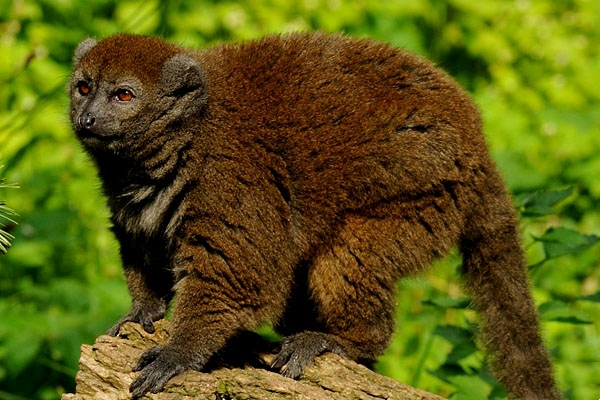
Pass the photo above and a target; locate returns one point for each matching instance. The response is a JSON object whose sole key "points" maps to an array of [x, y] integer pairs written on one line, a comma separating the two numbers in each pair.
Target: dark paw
{"points": [[158, 365], [144, 316], [299, 351]]}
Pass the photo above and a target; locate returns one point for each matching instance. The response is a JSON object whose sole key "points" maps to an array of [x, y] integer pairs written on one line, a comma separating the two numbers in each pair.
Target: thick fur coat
{"points": [[294, 180]]}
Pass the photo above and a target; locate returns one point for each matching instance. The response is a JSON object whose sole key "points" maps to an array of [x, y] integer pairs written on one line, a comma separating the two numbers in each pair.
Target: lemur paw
{"points": [[144, 316], [298, 351], [159, 364]]}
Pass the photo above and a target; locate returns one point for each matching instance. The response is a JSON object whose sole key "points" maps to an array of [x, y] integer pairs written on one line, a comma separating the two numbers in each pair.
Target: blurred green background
{"points": [[533, 67]]}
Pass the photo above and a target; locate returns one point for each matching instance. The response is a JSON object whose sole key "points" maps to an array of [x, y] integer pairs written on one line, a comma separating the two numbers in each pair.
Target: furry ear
{"points": [[82, 49], [180, 74]]}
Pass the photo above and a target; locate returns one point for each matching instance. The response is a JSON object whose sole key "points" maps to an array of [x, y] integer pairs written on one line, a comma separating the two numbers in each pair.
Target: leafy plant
{"points": [[6, 215], [463, 367]]}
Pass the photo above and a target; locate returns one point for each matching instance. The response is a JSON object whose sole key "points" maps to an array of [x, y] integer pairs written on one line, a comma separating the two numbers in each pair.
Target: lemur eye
{"points": [[124, 95], [83, 88]]}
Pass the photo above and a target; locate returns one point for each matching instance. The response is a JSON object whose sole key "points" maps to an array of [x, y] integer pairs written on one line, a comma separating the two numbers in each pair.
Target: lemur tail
{"points": [[495, 271]]}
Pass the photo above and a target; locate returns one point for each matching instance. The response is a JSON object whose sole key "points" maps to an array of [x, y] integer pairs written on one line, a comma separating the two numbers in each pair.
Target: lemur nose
{"points": [[87, 121]]}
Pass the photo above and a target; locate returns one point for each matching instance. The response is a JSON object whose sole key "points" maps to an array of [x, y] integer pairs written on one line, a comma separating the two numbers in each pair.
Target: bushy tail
{"points": [[495, 270]]}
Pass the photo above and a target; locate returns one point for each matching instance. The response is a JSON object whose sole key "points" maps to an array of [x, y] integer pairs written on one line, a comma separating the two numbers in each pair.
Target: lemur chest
{"points": [[150, 211]]}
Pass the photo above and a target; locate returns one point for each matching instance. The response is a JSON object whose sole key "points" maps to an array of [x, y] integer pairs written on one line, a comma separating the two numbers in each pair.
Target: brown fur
{"points": [[293, 180]]}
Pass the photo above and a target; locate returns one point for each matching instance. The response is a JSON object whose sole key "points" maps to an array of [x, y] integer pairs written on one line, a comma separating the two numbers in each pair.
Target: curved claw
{"points": [[299, 351], [147, 358], [143, 320], [158, 365], [141, 315]]}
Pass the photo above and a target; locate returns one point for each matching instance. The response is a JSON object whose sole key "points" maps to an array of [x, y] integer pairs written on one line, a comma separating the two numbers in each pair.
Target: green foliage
{"points": [[463, 367], [531, 65], [6, 215], [541, 203], [561, 241]]}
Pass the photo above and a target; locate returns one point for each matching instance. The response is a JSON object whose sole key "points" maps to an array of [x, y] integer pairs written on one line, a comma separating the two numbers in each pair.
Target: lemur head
{"points": [[126, 85]]}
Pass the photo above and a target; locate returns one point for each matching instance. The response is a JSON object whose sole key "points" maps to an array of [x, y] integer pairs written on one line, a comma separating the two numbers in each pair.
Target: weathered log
{"points": [[105, 372]]}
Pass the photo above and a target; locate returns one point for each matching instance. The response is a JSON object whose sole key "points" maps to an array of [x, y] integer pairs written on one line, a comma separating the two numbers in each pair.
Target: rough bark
{"points": [[105, 373]]}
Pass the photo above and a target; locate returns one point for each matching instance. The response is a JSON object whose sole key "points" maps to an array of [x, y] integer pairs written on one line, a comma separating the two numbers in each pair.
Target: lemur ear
{"points": [[83, 48], [180, 74]]}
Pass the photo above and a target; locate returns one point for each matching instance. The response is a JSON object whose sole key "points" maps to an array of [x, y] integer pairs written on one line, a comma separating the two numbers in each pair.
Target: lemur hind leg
{"points": [[351, 283]]}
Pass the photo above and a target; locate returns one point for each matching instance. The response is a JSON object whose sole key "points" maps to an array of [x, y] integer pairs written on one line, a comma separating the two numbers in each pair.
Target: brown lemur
{"points": [[293, 180]]}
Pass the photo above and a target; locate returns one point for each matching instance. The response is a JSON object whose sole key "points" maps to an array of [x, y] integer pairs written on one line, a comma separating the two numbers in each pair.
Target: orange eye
{"points": [[83, 88], [124, 95]]}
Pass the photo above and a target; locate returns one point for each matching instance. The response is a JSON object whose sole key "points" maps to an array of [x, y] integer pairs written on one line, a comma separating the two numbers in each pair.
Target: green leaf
{"points": [[20, 351], [461, 351], [561, 241], [595, 298], [469, 388], [559, 311], [540, 203], [453, 334], [448, 302], [447, 371]]}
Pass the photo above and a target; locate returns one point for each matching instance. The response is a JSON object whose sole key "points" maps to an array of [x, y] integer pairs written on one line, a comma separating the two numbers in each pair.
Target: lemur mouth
{"points": [[92, 140], [87, 134]]}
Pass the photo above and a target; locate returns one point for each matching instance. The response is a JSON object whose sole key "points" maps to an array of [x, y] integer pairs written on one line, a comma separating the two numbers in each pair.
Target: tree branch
{"points": [[105, 373]]}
